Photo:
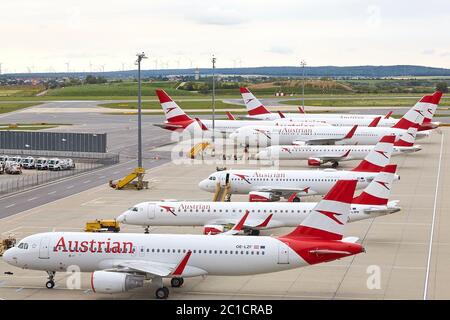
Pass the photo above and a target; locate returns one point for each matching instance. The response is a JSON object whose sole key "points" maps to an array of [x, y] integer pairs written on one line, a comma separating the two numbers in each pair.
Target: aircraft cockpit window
{"points": [[134, 209], [23, 246], [212, 178]]}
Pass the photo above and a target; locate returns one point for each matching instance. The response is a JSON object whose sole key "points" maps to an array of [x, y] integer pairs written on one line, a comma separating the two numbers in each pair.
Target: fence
{"points": [[54, 141], [32, 177]]}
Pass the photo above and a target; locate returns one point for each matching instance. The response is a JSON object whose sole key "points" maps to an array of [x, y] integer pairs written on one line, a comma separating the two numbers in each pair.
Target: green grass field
{"points": [[28, 128], [14, 106], [361, 102], [19, 91], [120, 89]]}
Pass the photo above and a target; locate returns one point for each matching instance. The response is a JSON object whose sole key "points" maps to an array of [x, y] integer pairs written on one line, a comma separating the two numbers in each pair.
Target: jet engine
{"points": [[261, 196], [314, 162], [213, 229], [115, 282]]}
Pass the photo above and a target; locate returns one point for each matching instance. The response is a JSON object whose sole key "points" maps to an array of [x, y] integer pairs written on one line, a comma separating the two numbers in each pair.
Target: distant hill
{"points": [[323, 71]]}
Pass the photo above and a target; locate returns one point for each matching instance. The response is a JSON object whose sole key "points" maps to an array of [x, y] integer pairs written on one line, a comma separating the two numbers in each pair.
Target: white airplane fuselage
{"points": [[213, 255], [313, 182], [202, 213], [351, 152], [284, 135]]}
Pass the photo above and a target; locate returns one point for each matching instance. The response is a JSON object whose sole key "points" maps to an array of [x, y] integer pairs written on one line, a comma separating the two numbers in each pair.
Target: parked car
{"points": [[12, 167], [42, 163], [28, 163], [55, 164]]}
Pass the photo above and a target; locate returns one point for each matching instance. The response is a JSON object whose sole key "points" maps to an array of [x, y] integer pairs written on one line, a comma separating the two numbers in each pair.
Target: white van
{"points": [[28, 163], [54, 164], [41, 163]]}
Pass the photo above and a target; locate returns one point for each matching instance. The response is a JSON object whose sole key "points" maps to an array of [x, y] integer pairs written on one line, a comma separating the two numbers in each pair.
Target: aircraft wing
{"points": [[248, 224], [161, 269], [333, 157], [301, 191], [168, 126]]}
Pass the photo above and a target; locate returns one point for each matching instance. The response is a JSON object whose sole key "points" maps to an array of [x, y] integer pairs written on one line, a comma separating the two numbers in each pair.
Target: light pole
{"points": [[138, 62], [213, 104], [303, 64]]}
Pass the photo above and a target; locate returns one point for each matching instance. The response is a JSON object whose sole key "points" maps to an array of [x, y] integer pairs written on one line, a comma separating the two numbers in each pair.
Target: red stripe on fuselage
{"points": [[307, 249]]}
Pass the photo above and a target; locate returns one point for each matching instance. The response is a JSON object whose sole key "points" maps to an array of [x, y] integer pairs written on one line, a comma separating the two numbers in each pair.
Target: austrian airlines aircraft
{"points": [[121, 262], [256, 135], [218, 217], [256, 110], [271, 185], [321, 154], [178, 120]]}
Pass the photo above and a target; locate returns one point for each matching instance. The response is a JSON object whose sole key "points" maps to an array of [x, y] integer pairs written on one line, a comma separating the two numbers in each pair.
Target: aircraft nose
{"points": [[122, 218], [8, 256], [203, 185], [262, 155]]}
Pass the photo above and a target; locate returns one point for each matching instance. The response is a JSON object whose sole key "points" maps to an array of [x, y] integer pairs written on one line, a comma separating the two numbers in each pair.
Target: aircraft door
{"points": [[44, 248], [283, 254], [151, 211]]}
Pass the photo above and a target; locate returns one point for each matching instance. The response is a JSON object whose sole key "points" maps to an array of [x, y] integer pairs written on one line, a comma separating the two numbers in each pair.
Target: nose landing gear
{"points": [[50, 284]]}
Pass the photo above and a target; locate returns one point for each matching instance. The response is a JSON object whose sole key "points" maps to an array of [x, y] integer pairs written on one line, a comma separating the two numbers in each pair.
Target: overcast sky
{"points": [[43, 35]]}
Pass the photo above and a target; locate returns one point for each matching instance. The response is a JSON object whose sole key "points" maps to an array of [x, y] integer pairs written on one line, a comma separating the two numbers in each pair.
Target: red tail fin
{"points": [[378, 191], [329, 216], [378, 157], [374, 122]]}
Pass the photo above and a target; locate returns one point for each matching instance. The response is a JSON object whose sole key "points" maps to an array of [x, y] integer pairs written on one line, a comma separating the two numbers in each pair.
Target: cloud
{"points": [[428, 51], [218, 16], [280, 49]]}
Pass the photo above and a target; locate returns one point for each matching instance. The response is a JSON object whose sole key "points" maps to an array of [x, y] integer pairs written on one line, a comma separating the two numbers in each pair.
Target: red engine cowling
{"points": [[315, 162], [260, 196], [213, 229]]}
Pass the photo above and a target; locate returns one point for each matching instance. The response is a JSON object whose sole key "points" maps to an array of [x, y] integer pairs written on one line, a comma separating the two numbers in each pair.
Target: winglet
{"points": [[201, 124], [374, 122], [281, 114], [265, 222], [292, 197], [301, 110], [389, 114], [230, 116], [238, 226], [180, 268], [351, 132]]}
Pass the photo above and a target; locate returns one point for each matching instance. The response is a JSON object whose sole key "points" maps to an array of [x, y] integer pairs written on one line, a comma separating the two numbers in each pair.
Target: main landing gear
{"points": [[163, 292], [50, 284], [176, 282], [146, 231], [334, 164]]}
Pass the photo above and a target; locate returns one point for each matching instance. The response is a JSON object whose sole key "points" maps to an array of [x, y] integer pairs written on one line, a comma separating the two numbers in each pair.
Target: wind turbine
{"points": [[68, 66]]}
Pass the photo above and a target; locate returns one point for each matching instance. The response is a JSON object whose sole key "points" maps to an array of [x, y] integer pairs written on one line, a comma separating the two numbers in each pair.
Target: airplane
{"points": [[178, 120], [123, 261], [271, 185], [217, 217], [262, 136], [256, 110], [317, 155]]}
